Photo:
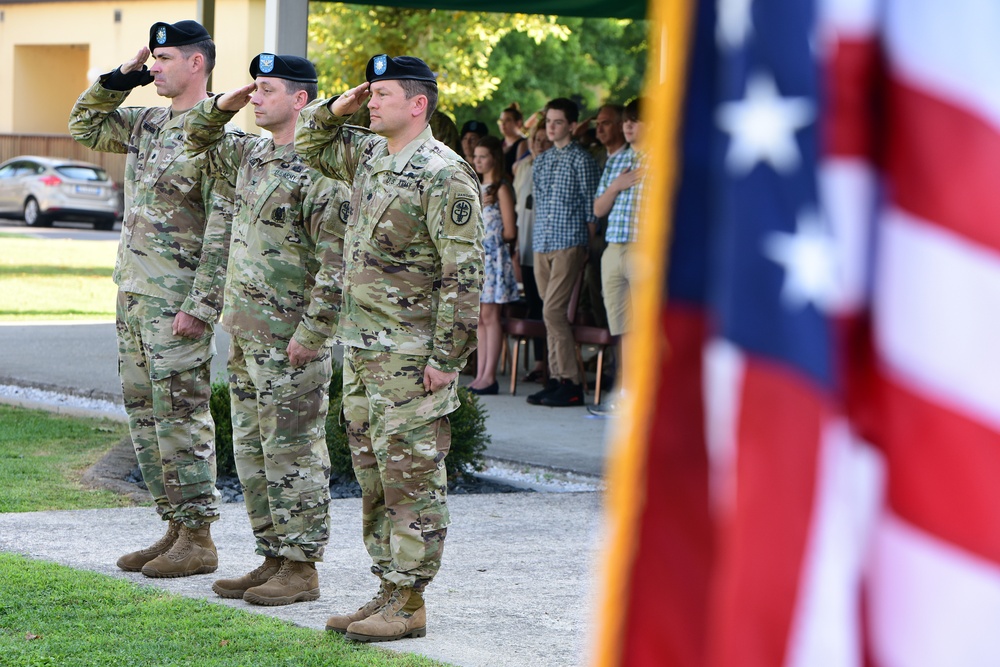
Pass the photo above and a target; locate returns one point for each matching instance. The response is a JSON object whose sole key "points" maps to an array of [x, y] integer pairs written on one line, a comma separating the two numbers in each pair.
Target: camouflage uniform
{"points": [[283, 283], [171, 258], [413, 267]]}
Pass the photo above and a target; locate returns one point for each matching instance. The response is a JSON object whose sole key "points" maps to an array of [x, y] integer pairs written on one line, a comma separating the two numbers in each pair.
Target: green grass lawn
{"points": [[56, 279], [54, 615], [42, 456]]}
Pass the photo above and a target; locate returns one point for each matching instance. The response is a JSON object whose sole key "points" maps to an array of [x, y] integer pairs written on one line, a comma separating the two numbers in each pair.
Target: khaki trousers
{"points": [[556, 273]]}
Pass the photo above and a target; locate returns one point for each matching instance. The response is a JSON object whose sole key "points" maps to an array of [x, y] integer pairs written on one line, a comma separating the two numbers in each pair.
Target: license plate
{"points": [[92, 190]]}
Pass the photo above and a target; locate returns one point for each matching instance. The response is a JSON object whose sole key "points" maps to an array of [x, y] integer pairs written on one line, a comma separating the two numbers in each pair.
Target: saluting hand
{"points": [[350, 101], [235, 100], [137, 62]]}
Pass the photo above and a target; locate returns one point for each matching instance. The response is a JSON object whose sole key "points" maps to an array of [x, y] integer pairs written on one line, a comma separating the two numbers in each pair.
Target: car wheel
{"points": [[33, 214]]}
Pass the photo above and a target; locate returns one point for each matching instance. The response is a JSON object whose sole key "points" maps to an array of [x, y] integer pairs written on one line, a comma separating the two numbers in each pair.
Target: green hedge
{"points": [[468, 432]]}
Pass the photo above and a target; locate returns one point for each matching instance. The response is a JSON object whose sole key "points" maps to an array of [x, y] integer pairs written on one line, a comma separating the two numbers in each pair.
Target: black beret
{"points": [[176, 34], [476, 126], [292, 68], [384, 68]]}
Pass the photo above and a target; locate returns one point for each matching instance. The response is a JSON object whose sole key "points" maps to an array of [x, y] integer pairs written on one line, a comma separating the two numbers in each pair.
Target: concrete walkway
{"points": [[82, 359], [514, 589], [517, 584]]}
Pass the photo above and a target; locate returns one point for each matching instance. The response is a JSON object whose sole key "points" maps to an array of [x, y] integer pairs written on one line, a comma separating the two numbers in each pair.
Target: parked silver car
{"points": [[44, 189]]}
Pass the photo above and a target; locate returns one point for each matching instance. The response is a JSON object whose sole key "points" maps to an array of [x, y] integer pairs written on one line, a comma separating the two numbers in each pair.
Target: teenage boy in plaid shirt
{"points": [[565, 182], [618, 197]]}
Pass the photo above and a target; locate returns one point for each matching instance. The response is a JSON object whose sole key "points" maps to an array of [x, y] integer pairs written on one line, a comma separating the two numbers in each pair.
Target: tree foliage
{"points": [[600, 60], [457, 45], [484, 60]]}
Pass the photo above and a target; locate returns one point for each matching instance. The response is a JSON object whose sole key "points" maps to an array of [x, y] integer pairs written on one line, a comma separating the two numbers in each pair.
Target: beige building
{"points": [[51, 51]]}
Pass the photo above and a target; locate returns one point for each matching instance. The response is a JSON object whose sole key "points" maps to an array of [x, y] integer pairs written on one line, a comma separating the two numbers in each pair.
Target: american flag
{"points": [[811, 478]]}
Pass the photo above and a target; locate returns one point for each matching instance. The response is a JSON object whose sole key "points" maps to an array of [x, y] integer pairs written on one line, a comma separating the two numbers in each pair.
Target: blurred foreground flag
{"points": [[808, 474]]}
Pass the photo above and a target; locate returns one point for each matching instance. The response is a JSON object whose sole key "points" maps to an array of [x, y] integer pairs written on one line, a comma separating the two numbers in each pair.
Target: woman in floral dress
{"points": [[499, 284]]}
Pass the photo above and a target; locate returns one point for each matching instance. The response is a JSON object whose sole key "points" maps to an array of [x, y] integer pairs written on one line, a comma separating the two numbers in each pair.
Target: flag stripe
{"points": [[827, 629], [944, 471], [934, 143], [763, 538], [675, 532], [950, 51], [847, 122], [933, 605], [937, 311]]}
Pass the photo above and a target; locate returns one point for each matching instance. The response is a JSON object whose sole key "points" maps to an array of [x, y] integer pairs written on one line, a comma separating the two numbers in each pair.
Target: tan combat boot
{"points": [[402, 616], [193, 553], [235, 588], [295, 581], [134, 561], [340, 623]]}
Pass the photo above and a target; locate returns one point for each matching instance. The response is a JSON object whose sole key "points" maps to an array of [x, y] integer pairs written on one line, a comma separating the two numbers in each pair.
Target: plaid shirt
{"points": [[624, 216], [563, 192]]}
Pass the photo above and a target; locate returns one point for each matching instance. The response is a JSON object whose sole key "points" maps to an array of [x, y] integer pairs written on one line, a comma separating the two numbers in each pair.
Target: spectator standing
{"points": [[618, 196], [170, 272], [499, 284], [515, 145], [565, 180], [472, 132], [524, 208], [608, 130], [282, 301], [413, 265]]}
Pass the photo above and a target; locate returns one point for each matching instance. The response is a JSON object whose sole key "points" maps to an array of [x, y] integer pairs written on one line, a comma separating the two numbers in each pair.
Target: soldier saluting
{"points": [[170, 272], [282, 297], [413, 267]]}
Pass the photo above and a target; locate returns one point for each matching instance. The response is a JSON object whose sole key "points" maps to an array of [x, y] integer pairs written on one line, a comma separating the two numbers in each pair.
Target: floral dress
{"points": [[499, 284]]}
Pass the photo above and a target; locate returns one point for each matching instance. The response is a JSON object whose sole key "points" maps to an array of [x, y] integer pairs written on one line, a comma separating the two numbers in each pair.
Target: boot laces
{"points": [[182, 546], [378, 601], [285, 570], [395, 603], [165, 542], [262, 568]]}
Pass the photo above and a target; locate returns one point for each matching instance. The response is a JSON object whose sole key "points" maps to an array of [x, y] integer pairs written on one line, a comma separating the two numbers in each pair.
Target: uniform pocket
{"points": [[301, 397], [392, 226], [169, 354], [193, 478], [306, 516]]}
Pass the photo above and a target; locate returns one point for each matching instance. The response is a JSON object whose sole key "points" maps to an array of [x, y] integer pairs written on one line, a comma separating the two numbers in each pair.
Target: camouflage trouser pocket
{"points": [[307, 517], [414, 465], [189, 479], [301, 398], [189, 391]]}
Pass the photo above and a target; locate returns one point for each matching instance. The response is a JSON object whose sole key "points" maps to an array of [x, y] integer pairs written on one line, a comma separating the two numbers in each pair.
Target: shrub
{"points": [[219, 403], [468, 432]]}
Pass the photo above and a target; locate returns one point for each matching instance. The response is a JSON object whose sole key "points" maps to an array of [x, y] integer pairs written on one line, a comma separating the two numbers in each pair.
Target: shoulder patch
{"points": [[345, 211], [461, 210], [461, 213]]}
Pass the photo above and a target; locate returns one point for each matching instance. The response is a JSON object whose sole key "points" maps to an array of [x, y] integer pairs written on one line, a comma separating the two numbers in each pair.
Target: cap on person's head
{"points": [[384, 68], [476, 126], [292, 68], [181, 33]]}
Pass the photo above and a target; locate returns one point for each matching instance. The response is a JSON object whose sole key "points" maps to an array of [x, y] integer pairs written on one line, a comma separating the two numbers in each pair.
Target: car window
{"points": [[25, 169], [7, 171], [82, 173]]}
